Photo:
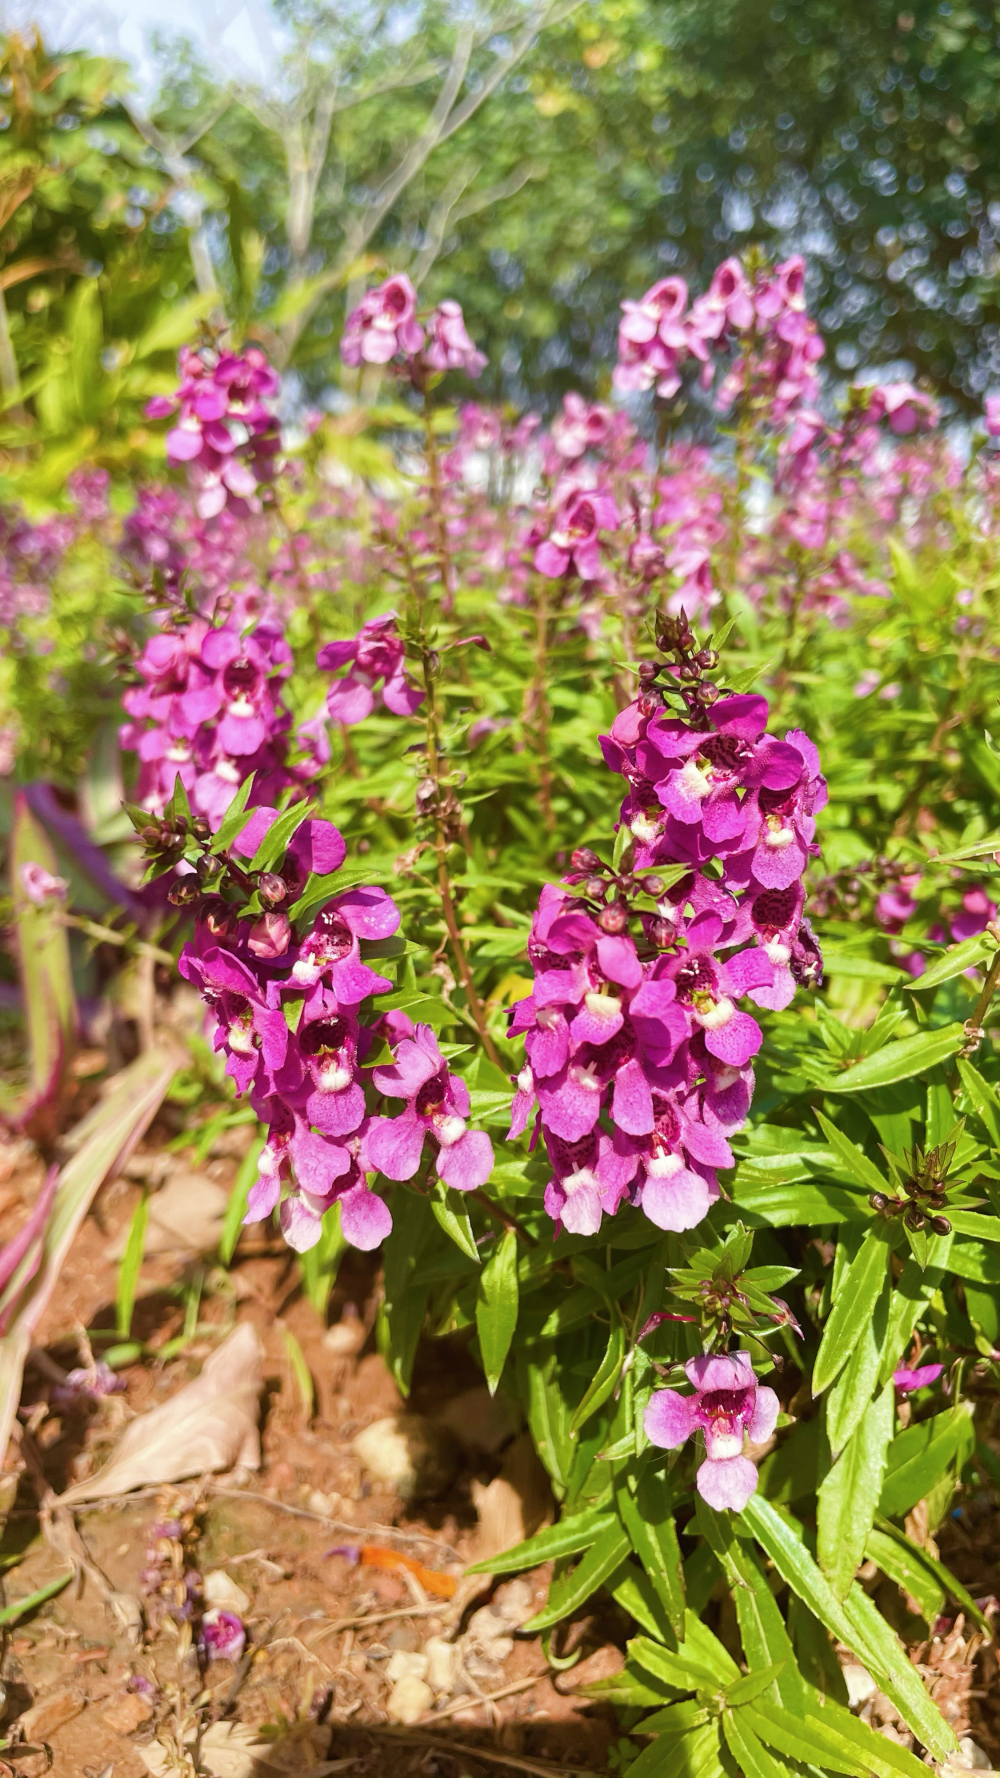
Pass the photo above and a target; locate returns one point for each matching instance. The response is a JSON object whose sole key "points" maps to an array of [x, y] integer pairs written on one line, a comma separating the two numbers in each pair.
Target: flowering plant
{"points": [[584, 863]]}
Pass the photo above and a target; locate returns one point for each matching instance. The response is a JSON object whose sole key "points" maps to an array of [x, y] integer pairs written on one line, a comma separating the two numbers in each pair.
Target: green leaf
{"points": [[854, 1158], [19, 1608], [913, 1291], [694, 1754], [799, 1739], [567, 1538], [450, 1211], [235, 818], [859, 1292], [677, 1669], [631, 1588], [956, 960], [742, 1691], [901, 1562], [982, 1097], [934, 1567], [853, 1390], [300, 1371], [765, 1639], [405, 1303], [236, 1208], [849, 1494], [496, 1308], [970, 1259], [886, 1660], [862, 969], [920, 1454], [752, 1758], [901, 1060], [570, 1590], [876, 1754], [605, 1378], [130, 1267], [647, 1515], [274, 845], [44, 967], [781, 1540]]}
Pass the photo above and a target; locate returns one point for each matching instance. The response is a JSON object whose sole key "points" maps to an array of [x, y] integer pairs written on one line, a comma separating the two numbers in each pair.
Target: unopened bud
{"points": [[647, 671], [271, 888], [183, 894], [879, 1202], [652, 885], [201, 828], [151, 836], [613, 919], [662, 933], [596, 887], [940, 1225], [584, 859]]}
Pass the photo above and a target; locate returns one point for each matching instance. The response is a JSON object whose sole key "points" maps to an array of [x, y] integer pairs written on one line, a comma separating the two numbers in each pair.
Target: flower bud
{"points": [[662, 933], [596, 887], [269, 936], [271, 888], [183, 893], [584, 859], [647, 671], [940, 1225], [613, 919], [879, 1202], [201, 828], [652, 885]]}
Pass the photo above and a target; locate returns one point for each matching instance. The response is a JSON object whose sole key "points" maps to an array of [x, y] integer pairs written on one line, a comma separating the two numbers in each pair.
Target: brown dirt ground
{"points": [[310, 1676]]}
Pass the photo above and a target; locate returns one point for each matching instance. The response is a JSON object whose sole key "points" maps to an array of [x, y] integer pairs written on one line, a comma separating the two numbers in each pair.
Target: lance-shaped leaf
{"points": [[956, 960], [567, 1538], [570, 1590], [849, 1494], [902, 1060], [496, 1308], [859, 1291], [110, 1132], [920, 1454], [766, 1642], [647, 1514], [46, 976]]}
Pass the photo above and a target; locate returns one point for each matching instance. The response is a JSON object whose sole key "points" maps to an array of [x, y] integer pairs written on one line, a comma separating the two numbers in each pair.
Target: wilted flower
{"points": [[222, 1636]]}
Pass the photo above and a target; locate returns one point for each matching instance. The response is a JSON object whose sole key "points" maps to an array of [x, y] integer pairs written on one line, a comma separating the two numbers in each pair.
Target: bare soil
{"points": [[327, 1634]]}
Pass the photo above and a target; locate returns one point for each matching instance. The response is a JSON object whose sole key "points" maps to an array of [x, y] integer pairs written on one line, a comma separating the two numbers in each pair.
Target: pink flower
{"points": [[907, 1381], [905, 408], [573, 541], [582, 426], [384, 325], [977, 912], [437, 1105], [728, 1406], [225, 430], [222, 1637], [991, 408], [375, 653], [40, 885], [449, 346]]}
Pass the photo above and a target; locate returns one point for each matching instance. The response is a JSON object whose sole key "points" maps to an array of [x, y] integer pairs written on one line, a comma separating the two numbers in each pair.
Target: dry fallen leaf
{"points": [[234, 1750], [185, 1217], [211, 1424]]}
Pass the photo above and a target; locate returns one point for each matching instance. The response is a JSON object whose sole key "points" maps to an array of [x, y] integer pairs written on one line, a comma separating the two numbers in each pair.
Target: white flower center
{"points": [[726, 1444], [716, 1015], [777, 951], [602, 1006], [664, 1166], [778, 836], [547, 1017], [228, 771], [526, 1080], [179, 753], [725, 1078], [587, 1078], [334, 1077], [241, 706], [241, 1038], [584, 1179], [644, 829], [695, 780], [450, 1130]]}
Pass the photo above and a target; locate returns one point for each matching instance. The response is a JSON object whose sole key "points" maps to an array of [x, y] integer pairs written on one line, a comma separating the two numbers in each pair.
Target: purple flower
{"points": [[907, 1381], [222, 1636], [573, 541], [728, 1406], [83, 1385], [383, 324], [375, 653], [449, 346], [581, 426], [437, 1105]]}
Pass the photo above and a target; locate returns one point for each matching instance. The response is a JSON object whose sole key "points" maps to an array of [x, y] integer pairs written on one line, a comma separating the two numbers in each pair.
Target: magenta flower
{"points": [[728, 1406], [991, 410], [654, 338], [383, 324], [225, 431], [437, 1105], [977, 912], [907, 1381], [250, 1029], [375, 653], [573, 541], [222, 1636], [449, 346], [581, 426], [905, 408]]}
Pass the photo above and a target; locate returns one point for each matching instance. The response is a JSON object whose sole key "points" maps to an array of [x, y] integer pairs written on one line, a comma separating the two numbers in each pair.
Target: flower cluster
{"points": [[208, 710], [384, 326], [288, 1018], [638, 1057], [728, 1407], [375, 653], [225, 432], [767, 319]]}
